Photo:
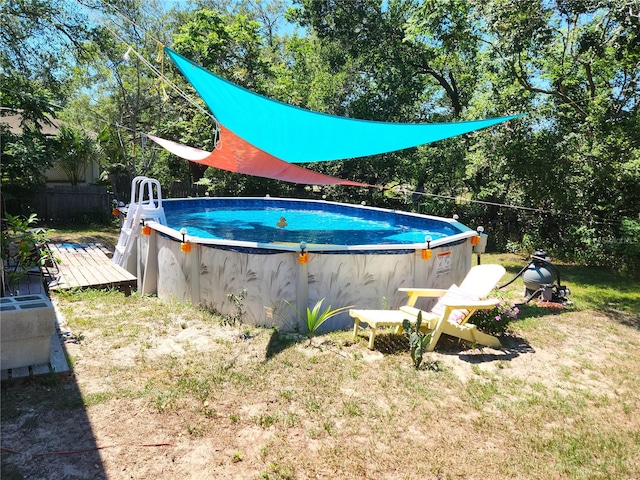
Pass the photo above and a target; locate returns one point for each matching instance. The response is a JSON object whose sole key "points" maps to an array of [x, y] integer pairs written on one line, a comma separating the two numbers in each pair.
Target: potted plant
{"points": [[24, 248]]}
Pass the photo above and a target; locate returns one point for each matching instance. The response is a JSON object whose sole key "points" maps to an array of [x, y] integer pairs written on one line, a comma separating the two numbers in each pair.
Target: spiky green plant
{"points": [[418, 341], [316, 317]]}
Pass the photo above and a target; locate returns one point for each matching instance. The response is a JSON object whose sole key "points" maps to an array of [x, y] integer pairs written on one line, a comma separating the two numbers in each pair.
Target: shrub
{"points": [[496, 321], [236, 316], [23, 248], [626, 248]]}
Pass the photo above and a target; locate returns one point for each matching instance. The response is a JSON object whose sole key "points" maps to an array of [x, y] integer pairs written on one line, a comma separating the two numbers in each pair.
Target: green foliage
{"points": [[496, 320], [23, 248], [220, 183], [74, 151], [41, 43], [315, 317], [418, 341], [235, 317], [228, 45], [24, 161], [566, 157], [623, 252], [237, 456], [39, 36]]}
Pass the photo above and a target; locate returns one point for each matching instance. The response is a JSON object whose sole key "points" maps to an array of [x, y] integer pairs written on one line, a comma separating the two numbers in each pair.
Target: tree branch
{"points": [[524, 82], [588, 73], [449, 86]]}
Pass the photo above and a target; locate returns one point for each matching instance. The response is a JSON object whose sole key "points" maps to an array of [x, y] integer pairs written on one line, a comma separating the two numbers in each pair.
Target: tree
{"points": [[577, 64], [75, 151], [24, 161], [409, 55], [40, 41], [406, 61], [231, 46]]}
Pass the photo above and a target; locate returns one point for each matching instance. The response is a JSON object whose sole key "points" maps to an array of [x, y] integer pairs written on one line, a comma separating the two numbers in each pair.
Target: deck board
{"points": [[88, 266]]}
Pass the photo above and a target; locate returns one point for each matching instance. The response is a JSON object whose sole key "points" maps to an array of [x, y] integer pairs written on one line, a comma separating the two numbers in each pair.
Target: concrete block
{"points": [[26, 325]]}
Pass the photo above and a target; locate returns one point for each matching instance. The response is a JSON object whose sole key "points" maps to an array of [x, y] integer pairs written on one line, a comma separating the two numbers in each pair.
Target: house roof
{"points": [[13, 118]]}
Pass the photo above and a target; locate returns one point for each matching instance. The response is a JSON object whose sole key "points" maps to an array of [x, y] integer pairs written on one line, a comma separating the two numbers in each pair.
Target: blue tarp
{"points": [[296, 135]]}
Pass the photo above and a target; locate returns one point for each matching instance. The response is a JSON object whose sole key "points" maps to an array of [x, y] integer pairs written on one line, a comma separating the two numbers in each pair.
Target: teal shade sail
{"points": [[296, 135]]}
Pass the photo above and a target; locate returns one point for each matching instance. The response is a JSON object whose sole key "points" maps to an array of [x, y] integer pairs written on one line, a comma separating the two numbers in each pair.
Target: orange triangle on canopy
{"points": [[234, 154]]}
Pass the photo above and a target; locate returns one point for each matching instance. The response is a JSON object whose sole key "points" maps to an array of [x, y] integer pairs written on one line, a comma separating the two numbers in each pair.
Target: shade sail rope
{"points": [[598, 221], [160, 58], [483, 202], [177, 89]]}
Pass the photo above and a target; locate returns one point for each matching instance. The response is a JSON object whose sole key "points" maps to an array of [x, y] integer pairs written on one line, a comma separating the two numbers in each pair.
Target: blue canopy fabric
{"points": [[296, 135]]}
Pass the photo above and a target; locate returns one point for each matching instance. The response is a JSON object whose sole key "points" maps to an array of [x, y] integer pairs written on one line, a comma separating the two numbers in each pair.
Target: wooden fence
{"points": [[90, 202], [66, 202]]}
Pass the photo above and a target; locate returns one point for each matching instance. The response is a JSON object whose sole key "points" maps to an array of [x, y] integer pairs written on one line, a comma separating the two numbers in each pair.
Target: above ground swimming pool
{"points": [[317, 223], [297, 251]]}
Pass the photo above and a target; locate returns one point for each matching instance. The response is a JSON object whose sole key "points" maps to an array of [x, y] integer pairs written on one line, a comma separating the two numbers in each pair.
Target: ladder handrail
{"points": [[139, 209], [153, 207], [134, 188]]}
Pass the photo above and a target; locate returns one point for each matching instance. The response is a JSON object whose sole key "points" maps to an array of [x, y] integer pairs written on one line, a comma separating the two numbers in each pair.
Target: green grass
{"points": [[89, 233], [592, 289], [560, 402]]}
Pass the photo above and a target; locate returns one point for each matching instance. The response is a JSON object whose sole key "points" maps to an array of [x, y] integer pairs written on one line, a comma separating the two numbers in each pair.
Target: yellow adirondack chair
{"points": [[448, 316]]}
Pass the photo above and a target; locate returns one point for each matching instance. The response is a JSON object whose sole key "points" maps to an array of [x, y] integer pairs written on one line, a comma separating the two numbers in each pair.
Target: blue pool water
{"points": [[261, 220]]}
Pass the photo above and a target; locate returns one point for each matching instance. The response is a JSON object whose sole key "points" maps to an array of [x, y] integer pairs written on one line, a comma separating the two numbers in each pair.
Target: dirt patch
{"points": [[181, 396], [105, 235]]}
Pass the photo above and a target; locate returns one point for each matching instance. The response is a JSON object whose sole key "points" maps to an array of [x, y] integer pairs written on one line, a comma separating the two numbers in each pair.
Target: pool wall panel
{"points": [[268, 279], [372, 281], [174, 276], [362, 280]]}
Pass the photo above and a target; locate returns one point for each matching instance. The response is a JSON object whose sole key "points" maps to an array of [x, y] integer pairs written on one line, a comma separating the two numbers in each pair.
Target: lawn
{"points": [[166, 390]]}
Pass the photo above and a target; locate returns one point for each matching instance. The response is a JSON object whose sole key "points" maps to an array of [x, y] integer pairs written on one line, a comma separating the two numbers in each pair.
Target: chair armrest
{"points": [[415, 293], [424, 292], [472, 304]]}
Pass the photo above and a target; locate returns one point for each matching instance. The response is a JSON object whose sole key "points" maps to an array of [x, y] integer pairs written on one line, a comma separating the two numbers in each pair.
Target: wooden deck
{"points": [[88, 266]]}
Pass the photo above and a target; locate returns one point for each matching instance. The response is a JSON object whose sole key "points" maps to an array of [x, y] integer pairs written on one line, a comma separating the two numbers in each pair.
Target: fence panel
{"points": [[66, 202]]}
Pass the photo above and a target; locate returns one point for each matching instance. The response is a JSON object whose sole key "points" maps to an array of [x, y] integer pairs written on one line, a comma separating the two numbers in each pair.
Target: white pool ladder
{"points": [[141, 208]]}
